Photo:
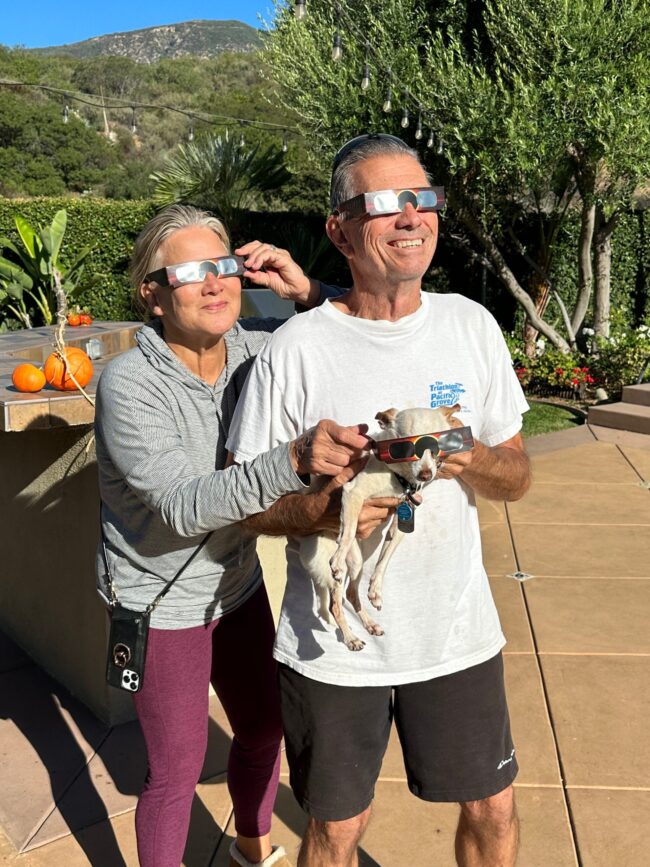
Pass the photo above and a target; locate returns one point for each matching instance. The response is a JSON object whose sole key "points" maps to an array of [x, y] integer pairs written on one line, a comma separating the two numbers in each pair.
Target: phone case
{"points": [[127, 649]]}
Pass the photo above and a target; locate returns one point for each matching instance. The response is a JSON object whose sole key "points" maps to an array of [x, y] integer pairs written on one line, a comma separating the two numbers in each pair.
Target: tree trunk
{"points": [[585, 272], [540, 292], [603, 267], [509, 280]]}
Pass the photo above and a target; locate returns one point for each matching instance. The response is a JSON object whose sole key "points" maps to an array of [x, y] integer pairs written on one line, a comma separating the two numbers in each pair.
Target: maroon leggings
{"points": [[234, 654]]}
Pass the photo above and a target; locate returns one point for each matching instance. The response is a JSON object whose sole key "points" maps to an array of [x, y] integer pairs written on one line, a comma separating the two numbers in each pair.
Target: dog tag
{"points": [[405, 517]]}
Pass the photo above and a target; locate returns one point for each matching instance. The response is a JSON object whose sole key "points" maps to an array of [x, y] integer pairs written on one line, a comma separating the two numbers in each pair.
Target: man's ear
{"points": [[148, 295], [336, 234]]}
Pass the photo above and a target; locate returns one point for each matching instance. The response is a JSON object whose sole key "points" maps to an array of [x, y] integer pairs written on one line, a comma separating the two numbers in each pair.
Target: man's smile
{"points": [[409, 242]]}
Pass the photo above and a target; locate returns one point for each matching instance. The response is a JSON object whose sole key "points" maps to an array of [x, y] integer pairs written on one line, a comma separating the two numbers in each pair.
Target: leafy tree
{"points": [[536, 109], [118, 77], [45, 156]]}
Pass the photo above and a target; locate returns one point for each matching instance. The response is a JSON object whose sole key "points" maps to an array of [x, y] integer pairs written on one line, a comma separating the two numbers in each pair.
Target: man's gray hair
{"points": [[146, 251], [342, 187]]}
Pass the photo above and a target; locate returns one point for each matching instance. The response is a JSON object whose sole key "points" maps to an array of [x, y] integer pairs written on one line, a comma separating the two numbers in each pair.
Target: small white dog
{"points": [[328, 560]]}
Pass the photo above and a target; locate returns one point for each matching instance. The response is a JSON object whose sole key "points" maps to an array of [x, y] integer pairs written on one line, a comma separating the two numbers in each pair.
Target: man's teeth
{"points": [[417, 242]]}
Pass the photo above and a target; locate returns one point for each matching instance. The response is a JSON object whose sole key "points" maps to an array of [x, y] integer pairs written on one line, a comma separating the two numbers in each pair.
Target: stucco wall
{"points": [[49, 511]]}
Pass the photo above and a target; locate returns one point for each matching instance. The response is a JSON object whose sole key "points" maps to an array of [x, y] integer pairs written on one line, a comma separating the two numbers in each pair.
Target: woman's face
{"points": [[195, 313]]}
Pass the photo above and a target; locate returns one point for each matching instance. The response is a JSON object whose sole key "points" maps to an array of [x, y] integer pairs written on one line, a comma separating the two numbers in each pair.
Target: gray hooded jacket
{"points": [[161, 434]]}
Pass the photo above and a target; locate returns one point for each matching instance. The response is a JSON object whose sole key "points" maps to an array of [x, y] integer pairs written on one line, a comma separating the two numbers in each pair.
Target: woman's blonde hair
{"points": [[146, 251]]}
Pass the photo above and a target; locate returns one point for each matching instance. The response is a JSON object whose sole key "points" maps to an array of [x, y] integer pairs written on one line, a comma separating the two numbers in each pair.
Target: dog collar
{"points": [[409, 490]]}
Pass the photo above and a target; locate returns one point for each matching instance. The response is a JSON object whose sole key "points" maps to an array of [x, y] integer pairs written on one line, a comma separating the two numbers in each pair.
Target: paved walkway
{"points": [[578, 685]]}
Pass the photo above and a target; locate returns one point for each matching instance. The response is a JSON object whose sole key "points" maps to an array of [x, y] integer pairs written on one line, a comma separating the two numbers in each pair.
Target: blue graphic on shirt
{"points": [[444, 393]]}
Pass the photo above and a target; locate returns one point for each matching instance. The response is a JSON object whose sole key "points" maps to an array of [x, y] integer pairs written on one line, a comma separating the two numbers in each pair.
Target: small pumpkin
{"points": [[57, 371], [28, 378]]}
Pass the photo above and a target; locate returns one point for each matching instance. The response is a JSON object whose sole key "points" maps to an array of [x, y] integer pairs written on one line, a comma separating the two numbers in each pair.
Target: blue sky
{"points": [[43, 22]]}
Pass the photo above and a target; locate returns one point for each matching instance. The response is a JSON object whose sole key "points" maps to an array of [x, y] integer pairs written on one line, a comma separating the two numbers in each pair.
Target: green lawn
{"points": [[543, 418]]}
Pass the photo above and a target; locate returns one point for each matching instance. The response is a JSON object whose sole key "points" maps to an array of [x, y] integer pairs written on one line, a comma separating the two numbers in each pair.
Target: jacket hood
{"points": [[151, 343]]}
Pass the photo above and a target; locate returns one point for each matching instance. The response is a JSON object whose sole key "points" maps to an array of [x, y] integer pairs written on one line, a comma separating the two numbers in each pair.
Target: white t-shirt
{"points": [[438, 613]]}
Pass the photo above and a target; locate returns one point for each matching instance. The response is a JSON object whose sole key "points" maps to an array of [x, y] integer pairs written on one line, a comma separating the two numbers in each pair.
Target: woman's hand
{"points": [[328, 448], [281, 274]]}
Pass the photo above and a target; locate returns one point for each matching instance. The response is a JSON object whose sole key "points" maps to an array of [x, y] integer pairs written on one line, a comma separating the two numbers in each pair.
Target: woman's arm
{"points": [[272, 268], [139, 444]]}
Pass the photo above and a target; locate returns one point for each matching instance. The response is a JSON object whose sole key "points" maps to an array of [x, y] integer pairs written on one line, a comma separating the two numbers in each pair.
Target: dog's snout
{"points": [[425, 475]]}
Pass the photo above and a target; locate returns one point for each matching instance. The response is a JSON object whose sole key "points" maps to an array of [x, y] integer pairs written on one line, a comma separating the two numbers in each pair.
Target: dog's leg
{"points": [[315, 553], [392, 540], [351, 505], [336, 607], [355, 569]]}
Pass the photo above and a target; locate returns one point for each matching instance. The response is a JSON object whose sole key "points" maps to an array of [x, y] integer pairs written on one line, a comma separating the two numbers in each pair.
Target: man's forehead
{"points": [[386, 172]]}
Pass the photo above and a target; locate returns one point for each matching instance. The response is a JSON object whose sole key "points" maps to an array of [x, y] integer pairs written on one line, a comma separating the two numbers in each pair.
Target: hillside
{"points": [[169, 41]]}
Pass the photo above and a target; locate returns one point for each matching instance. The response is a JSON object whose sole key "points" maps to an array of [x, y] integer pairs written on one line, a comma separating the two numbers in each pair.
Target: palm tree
{"points": [[220, 174]]}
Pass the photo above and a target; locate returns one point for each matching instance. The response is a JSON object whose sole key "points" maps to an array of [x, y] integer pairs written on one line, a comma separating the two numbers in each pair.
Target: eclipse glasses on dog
{"points": [[383, 202], [196, 272], [440, 444]]}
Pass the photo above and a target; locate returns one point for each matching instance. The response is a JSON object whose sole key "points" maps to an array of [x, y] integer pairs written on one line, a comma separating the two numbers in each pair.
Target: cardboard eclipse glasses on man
{"points": [[381, 203]]}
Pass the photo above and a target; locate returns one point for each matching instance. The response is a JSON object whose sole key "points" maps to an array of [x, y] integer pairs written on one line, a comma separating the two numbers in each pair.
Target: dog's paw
{"points": [[338, 572], [375, 598], [355, 643], [374, 628]]}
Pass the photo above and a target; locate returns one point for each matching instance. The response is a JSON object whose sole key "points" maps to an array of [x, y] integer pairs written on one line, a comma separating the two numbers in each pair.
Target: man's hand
{"points": [[328, 448], [325, 505], [495, 472], [375, 513], [456, 464], [281, 274]]}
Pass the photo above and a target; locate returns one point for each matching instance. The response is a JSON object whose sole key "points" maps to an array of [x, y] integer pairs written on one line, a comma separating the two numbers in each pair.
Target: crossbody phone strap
{"points": [[168, 586]]}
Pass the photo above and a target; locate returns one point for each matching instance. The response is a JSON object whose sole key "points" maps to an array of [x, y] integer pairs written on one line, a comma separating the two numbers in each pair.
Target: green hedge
{"points": [[108, 226]]}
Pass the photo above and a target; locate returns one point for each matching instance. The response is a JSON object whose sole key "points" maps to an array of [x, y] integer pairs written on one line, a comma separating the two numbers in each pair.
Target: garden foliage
{"points": [[29, 268], [608, 363]]}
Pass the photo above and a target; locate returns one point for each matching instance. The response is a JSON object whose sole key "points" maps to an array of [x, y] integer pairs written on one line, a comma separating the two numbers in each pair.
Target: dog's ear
{"points": [[448, 412], [386, 418]]}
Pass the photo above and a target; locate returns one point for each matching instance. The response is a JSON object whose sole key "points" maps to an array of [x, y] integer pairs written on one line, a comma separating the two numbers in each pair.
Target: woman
{"points": [[162, 417]]}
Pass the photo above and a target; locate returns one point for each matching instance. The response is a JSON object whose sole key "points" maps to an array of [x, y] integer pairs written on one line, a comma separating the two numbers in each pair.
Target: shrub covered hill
{"points": [[150, 44], [93, 121]]}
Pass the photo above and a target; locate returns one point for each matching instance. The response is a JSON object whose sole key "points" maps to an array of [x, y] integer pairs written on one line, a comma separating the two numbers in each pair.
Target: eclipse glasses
{"points": [[441, 444], [196, 272], [385, 202]]}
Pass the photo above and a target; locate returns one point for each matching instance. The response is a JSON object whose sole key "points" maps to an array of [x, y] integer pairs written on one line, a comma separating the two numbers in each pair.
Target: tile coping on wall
{"points": [[49, 408]]}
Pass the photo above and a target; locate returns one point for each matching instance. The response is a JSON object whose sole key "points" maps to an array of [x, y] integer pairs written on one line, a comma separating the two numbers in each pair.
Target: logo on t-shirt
{"points": [[444, 393]]}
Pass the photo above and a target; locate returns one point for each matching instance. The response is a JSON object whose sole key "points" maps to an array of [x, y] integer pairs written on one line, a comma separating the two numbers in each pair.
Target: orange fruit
{"points": [[28, 377], [76, 362]]}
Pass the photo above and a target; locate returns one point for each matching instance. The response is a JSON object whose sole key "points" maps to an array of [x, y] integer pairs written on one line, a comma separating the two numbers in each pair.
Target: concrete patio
{"points": [[578, 685]]}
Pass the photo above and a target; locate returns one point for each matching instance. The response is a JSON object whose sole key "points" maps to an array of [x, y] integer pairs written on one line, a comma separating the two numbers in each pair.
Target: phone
{"points": [[127, 648]]}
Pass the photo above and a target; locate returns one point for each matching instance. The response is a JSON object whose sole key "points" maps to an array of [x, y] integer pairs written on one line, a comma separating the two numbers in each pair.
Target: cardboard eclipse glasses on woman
{"points": [[196, 272], [440, 444]]}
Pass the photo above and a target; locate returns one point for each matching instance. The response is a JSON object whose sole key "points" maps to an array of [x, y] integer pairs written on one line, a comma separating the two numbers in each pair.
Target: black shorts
{"points": [[454, 731]]}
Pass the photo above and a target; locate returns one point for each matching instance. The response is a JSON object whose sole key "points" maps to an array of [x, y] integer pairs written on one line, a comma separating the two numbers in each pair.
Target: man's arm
{"points": [[495, 472], [319, 510]]}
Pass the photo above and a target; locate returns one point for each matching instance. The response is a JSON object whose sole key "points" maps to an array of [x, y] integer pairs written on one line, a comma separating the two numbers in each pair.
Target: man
{"points": [[386, 344]]}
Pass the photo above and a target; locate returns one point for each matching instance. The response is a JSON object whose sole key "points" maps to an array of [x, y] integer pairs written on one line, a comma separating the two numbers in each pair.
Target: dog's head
{"points": [[409, 422]]}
